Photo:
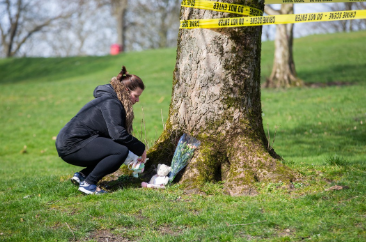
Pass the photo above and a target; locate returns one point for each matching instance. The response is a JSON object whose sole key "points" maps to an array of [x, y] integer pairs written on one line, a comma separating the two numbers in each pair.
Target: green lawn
{"points": [[321, 133]]}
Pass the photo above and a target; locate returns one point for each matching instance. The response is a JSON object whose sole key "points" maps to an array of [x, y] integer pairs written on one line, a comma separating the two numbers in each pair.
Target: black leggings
{"points": [[101, 157]]}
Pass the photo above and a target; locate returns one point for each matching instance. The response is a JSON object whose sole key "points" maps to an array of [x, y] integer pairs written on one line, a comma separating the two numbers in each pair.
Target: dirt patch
{"points": [[193, 191], [249, 237], [107, 236], [164, 230], [285, 233], [337, 188]]}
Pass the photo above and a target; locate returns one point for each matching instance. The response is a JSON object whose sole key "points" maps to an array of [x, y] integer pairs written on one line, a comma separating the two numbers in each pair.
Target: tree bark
{"points": [[216, 98], [119, 11], [283, 72]]}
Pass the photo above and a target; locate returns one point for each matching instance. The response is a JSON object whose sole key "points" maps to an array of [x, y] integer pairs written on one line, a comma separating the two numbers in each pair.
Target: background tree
{"points": [[344, 25], [267, 32], [78, 27], [283, 71], [216, 98], [145, 24], [118, 9], [21, 19], [89, 31], [152, 24]]}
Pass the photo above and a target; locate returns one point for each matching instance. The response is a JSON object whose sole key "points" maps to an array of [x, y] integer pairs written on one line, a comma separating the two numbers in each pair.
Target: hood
{"points": [[106, 89]]}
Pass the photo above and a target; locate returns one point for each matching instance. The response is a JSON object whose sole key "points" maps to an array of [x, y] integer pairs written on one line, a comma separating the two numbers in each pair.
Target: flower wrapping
{"points": [[183, 154], [135, 165]]}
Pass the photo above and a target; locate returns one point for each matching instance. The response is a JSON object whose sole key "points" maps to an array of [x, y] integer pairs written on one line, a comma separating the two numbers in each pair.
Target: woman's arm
{"points": [[114, 116], [143, 157]]}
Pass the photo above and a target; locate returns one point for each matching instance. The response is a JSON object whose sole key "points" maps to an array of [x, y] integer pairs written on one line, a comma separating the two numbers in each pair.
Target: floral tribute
{"points": [[183, 154]]}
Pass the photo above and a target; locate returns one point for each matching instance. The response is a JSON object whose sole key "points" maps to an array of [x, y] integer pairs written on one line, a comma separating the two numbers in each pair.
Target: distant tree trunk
{"points": [[216, 98], [163, 33], [119, 11], [283, 72], [8, 37], [348, 24], [158, 21]]}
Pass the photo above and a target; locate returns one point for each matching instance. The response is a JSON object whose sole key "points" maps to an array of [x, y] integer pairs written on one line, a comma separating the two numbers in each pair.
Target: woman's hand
{"points": [[143, 157]]}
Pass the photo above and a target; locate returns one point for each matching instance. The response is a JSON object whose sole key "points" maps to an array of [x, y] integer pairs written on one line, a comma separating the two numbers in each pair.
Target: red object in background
{"points": [[116, 49]]}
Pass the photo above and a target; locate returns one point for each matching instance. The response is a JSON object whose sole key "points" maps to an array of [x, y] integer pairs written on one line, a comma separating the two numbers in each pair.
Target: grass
{"points": [[320, 133]]}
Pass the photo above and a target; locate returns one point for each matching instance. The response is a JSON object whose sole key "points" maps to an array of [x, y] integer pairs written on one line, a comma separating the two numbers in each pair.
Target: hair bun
{"points": [[122, 73]]}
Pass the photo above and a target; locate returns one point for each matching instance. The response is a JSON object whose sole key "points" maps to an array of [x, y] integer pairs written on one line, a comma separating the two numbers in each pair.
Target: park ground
{"points": [[319, 130]]}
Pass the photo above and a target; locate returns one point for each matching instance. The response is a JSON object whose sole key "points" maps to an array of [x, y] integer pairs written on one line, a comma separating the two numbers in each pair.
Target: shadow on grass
{"points": [[335, 74], [18, 70], [328, 84], [310, 140], [119, 180]]}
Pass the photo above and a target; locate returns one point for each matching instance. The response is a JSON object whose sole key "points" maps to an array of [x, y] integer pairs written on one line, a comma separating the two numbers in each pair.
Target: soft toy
{"points": [[160, 179]]}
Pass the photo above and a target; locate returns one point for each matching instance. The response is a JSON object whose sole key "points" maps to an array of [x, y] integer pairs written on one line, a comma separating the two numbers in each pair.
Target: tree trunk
{"points": [[14, 24], [163, 33], [283, 72], [216, 98], [348, 23], [120, 7]]}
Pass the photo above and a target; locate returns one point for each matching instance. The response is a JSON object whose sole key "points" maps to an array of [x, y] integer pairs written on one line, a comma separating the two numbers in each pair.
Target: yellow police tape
{"points": [[272, 19], [222, 7], [310, 1]]}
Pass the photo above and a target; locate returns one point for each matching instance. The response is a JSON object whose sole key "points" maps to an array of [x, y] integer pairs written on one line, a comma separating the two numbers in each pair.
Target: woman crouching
{"points": [[99, 137]]}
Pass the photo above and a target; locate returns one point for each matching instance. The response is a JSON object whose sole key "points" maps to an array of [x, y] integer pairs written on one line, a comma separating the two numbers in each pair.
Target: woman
{"points": [[99, 136]]}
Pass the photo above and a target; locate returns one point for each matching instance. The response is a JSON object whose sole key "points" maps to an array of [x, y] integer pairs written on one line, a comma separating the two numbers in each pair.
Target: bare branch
{"points": [[9, 12], [38, 28], [14, 27], [271, 11], [3, 36]]}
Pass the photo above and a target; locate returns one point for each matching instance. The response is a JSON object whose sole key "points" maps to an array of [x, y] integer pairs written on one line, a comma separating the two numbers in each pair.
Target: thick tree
{"points": [[216, 98], [283, 71]]}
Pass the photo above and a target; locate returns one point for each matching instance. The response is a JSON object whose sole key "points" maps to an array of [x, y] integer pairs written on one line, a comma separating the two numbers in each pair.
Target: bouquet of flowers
{"points": [[183, 153]]}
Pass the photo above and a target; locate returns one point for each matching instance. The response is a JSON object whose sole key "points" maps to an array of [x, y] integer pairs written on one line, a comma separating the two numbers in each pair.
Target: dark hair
{"points": [[130, 81]]}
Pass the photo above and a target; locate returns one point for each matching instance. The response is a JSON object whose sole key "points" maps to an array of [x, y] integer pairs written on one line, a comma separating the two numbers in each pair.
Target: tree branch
{"points": [[36, 29], [2, 34], [270, 11], [14, 26], [9, 12]]}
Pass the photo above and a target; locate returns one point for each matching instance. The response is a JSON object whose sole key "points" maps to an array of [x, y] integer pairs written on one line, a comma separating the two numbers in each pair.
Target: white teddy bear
{"points": [[160, 179]]}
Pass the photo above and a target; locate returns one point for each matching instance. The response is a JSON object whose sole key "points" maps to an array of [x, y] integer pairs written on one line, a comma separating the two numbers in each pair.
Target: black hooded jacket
{"points": [[104, 116]]}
